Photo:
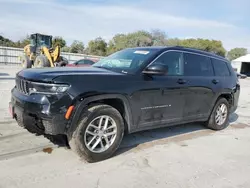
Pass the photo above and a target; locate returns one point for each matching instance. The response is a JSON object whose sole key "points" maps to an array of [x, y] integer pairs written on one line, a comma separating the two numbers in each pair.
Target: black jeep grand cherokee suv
{"points": [[131, 90]]}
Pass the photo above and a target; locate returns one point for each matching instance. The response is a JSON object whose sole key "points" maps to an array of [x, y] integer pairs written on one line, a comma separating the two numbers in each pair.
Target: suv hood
{"points": [[48, 74]]}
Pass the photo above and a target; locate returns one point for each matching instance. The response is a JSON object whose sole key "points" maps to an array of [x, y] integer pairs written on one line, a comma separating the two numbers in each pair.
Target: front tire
{"points": [[41, 61], [219, 118], [26, 63], [98, 134]]}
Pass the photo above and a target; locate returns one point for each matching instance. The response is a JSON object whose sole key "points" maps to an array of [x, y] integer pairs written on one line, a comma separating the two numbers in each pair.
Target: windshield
{"points": [[33, 40], [44, 40], [127, 61], [40, 40]]}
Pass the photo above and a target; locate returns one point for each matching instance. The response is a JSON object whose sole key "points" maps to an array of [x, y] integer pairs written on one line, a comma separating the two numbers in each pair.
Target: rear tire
{"points": [[62, 64], [26, 63], [80, 141], [214, 122], [41, 61]]}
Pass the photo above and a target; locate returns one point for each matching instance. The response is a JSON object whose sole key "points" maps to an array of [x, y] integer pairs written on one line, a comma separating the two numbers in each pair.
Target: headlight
{"points": [[47, 88]]}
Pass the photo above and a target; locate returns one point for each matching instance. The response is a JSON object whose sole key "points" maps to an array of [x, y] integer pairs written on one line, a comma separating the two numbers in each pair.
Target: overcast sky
{"points": [[226, 20]]}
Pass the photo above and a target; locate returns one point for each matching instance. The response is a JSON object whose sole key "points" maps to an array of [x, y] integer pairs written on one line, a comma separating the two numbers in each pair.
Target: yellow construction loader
{"points": [[39, 53]]}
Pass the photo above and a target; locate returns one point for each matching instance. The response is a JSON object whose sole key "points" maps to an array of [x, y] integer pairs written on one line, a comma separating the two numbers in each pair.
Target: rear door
{"points": [[199, 74], [222, 77]]}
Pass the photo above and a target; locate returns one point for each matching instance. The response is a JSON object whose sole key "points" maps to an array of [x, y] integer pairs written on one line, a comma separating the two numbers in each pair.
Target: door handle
{"points": [[181, 81], [215, 81]]}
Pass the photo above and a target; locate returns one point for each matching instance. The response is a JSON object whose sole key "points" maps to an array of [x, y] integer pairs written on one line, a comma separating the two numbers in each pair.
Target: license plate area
{"points": [[11, 110]]}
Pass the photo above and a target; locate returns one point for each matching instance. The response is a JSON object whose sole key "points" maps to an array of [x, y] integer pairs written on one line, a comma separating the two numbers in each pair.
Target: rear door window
{"points": [[197, 65], [80, 62], [220, 68], [88, 62]]}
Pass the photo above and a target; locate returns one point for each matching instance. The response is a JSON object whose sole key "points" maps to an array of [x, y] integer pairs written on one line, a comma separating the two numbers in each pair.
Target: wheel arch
{"points": [[227, 95], [110, 99]]}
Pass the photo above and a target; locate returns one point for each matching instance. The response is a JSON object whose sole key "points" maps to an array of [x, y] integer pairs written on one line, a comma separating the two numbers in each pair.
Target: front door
{"points": [[160, 100]]}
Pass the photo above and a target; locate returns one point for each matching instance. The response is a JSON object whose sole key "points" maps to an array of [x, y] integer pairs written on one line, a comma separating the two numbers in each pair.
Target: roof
{"points": [[163, 48], [41, 34], [245, 58]]}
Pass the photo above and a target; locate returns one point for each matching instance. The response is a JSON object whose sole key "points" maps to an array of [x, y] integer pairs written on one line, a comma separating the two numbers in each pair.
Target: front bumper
{"points": [[39, 113]]}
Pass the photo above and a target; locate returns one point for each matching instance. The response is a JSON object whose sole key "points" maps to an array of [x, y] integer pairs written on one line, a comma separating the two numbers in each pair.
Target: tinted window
{"points": [[197, 65], [88, 62], [173, 60], [85, 62], [80, 62], [220, 68]]}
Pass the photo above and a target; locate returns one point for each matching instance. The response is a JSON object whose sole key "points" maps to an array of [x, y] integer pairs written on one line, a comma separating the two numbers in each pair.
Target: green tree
{"points": [[58, 41], [6, 42], [134, 39], [77, 47], [118, 42], [97, 47], [173, 42], [213, 46], [65, 49], [23, 42], [159, 38], [139, 39], [236, 52]]}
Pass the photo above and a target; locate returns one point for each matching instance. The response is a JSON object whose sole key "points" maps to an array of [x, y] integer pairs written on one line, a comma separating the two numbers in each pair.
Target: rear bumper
{"points": [[39, 113]]}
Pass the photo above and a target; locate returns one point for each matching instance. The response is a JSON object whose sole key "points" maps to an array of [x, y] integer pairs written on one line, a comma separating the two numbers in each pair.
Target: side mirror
{"points": [[156, 69]]}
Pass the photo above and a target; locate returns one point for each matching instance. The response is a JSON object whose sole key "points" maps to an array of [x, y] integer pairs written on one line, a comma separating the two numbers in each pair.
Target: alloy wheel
{"points": [[100, 134], [221, 114]]}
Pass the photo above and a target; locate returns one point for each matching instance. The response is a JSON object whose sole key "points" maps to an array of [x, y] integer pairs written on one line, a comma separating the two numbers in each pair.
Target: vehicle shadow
{"points": [[7, 78], [233, 117], [150, 138], [59, 140], [173, 134], [156, 136], [142, 138], [4, 74]]}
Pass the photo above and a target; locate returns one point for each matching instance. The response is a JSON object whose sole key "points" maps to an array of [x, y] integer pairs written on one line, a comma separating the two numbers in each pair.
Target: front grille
{"points": [[22, 86]]}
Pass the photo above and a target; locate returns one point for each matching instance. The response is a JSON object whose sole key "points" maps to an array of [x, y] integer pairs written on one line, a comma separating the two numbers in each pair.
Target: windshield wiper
{"points": [[102, 67], [112, 69]]}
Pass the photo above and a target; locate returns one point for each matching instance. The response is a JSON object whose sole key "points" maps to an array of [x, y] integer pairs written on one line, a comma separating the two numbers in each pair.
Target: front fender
{"points": [[82, 105]]}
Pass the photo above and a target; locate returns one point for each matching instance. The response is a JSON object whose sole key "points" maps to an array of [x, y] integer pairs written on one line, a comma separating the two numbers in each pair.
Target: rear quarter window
{"points": [[197, 65], [220, 68]]}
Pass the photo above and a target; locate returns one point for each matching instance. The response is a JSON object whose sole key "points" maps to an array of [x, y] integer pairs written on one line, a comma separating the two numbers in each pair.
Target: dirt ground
{"points": [[185, 156]]}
